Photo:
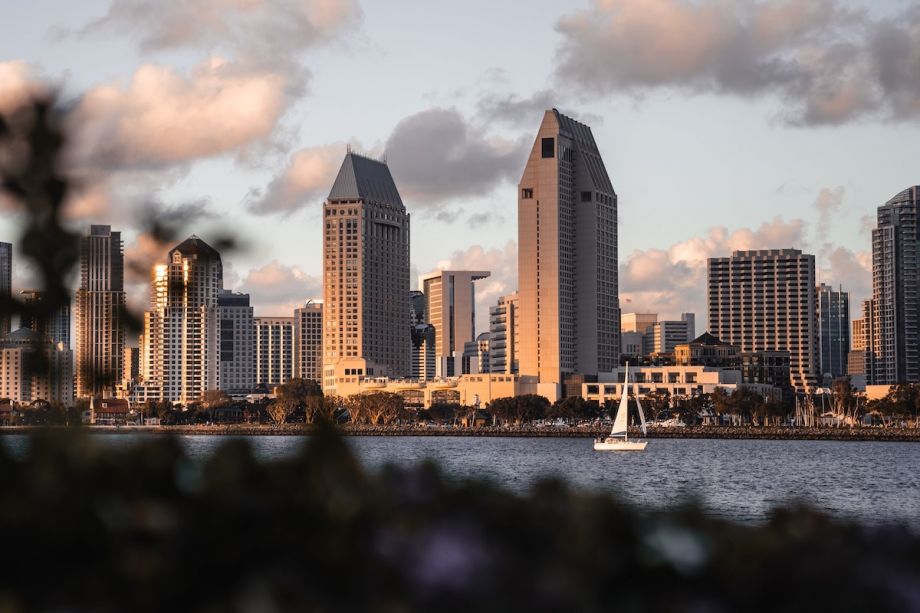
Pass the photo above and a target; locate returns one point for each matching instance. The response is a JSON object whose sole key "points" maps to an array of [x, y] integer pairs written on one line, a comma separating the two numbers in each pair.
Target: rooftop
{"points": [[364, 178]]}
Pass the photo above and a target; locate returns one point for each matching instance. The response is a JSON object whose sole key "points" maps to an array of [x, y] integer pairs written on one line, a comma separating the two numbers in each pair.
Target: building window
{"points": [[586, 196], [527, 193], [548, 146]]}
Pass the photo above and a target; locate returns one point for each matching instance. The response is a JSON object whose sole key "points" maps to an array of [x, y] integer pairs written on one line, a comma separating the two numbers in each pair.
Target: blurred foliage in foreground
{"points": [[90, 526]]}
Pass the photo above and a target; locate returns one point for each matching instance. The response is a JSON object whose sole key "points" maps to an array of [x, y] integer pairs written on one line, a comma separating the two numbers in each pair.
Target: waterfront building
{"points": [[504, 335], [632, 346], [422, 363], [34, 368], [567, 260], [895, 323], [765, 301], [766, 368], [707, 350], [833, 321], [860, 359], [181, 340], [365, 272], [308, 342], [237, 342], [666, 335], [132, 367], [476, 356], [274, 343], [51, 324], [675, 381], [450, 306], [6, 284], [99, 313]]}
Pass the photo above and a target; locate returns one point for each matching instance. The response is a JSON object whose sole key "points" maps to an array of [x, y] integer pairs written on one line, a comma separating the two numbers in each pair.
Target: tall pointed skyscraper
{"points": [[365, 274], [100, 304], [567, 258]]}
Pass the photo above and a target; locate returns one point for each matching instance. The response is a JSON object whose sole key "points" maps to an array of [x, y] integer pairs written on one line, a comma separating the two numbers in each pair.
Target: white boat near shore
{"points": [[618, 440]]}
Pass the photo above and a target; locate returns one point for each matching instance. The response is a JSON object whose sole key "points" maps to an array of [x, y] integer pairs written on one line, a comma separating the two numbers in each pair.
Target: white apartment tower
{"points": [[504, 335], [274, 350], [100, 307], [450, 306], [567, 259], [765, 301], [181, 342], [365, 273]]}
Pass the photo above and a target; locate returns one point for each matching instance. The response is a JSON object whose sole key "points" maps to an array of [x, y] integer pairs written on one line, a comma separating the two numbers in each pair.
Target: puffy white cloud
{"points": [[852, 270], [163, 117], [673, 280], [828, 203], [277, 289], [827, 64], [307, 178]]}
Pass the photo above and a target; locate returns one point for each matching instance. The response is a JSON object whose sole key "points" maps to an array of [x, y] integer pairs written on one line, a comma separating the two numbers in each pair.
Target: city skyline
{"points": [[478, 105]]}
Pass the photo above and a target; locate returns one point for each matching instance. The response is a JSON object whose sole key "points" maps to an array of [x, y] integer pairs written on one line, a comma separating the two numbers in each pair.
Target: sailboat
{"points": [[619, 438]]}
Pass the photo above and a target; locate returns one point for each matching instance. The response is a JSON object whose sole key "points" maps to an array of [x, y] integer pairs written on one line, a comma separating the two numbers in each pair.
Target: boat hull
{"points": [[619, 445]]}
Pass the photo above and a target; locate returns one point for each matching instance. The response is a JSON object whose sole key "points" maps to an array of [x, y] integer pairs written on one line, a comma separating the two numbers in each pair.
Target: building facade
{"points": [[895, 353], [833, 320], [49, 322], [100, 309], [237, 342], [181, 341], [365, 272], [6, 284], [666, 335], [33, 368], [274, 357], [567, 256], [450, 306], [308, 342], [765, 301], [504, 335]]}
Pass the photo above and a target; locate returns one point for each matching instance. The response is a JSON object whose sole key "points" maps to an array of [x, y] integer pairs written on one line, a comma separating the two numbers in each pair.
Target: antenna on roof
{"points": [[348, 148]]}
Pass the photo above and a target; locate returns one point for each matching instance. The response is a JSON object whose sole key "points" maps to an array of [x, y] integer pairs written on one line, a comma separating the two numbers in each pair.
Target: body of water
{"points": [[872, 482]]}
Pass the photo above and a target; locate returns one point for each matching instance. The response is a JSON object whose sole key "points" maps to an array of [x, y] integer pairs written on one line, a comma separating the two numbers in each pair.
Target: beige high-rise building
{"points": [[181, 341], [365, 274], [274, 345], [504, 335], [567, 258], [308, 341], [100, 307], [450, 297]]}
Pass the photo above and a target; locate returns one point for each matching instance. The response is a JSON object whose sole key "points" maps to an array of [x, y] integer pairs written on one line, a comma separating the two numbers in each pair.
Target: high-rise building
{"points": [[33, 368], [100, 308], [567, 260], [6, 284], [274, 350], [237, 342], [365, 274], [181, 341], [765, 301], [690, 318], [475, 359], [131, 373], [450, 306], [308, 342], [638, 322], [421, 339], [665, 335], [896, 291], [833, 320], [504, 335], [53, 326]]}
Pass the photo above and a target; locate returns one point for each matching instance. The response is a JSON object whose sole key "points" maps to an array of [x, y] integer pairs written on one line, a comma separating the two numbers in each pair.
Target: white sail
{"points": [[641, 414], [620, 421]]}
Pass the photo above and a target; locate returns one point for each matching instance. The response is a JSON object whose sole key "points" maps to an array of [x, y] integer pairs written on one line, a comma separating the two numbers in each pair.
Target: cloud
{"points": [[825, 63], [277, 289], [853, 271], [828, 203], [258, 33], [500, 262], [517, 111], [478, 220], [437, 156], [18, 85], [673, 280], [307, 178], [163, 118]]}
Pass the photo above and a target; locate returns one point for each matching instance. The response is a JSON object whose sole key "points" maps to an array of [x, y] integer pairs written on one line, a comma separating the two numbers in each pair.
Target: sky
{"points": [[723, 125]]}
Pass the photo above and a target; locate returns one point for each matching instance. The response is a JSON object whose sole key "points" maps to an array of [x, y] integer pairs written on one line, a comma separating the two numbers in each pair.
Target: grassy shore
{"points": [[708, 432]]}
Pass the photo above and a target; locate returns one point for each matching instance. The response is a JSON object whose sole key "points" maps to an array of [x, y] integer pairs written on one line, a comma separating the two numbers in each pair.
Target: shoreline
{"points": [[689, 432]]}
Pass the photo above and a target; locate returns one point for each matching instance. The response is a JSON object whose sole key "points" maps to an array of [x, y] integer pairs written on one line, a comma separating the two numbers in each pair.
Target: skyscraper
{"points": [[100, 307], [504, 335], [6, 283], [896, 291], [51, 324], [274, 350], [365, 273], [450, 297], [765, 301], [833, 321], [567, 260], [181, 342], [308, 341], [237, 342]]}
